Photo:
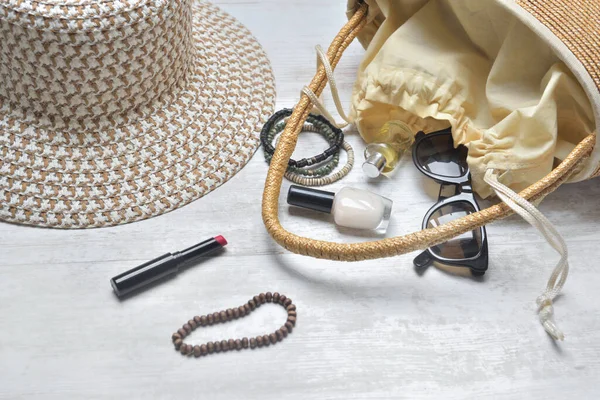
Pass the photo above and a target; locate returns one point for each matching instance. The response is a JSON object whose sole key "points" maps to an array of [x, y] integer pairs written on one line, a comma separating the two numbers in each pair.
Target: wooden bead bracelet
{"points": [[231, 314]]}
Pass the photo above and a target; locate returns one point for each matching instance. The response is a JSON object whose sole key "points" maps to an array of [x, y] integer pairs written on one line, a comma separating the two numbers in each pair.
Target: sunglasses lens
{"points": [[464, 246], [437, 155]]}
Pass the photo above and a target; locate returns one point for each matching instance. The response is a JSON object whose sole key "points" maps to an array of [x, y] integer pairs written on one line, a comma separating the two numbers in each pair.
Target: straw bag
{"points": [[423, 63]]}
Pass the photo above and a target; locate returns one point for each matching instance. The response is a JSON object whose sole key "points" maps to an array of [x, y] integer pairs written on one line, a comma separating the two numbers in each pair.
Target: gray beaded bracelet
{"points": [[334, 136], [320, 176], [324, 168], [325, 180]]}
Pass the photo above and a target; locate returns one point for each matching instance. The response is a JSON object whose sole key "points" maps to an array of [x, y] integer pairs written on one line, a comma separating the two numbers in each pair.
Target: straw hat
{"points": [[112, 111]]}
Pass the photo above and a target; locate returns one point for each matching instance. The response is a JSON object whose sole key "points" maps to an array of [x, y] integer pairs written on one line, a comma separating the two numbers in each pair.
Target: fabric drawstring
{"points": [[532, 215], [324, 61]]}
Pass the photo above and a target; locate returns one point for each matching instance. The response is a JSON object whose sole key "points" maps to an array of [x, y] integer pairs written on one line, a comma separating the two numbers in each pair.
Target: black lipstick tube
{"points": [[165, 265]]}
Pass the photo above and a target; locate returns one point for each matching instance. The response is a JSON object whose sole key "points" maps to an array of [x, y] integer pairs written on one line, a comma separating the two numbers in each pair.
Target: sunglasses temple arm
{"points": [[423, 260]]}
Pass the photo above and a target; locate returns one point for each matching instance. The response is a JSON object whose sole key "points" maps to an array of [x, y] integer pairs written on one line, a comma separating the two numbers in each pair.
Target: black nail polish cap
{"points": [[313, 199]]}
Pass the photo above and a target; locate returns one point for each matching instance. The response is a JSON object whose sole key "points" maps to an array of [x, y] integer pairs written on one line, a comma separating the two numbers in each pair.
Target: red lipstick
{"points": [[165, 265], [221, 240]]}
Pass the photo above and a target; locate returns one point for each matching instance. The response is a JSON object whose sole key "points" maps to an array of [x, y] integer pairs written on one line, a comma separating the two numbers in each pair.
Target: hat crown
{"points": [[84, 65]]}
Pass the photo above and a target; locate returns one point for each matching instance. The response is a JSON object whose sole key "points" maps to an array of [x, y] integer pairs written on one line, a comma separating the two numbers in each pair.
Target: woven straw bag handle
{"points": [[399, 244]]}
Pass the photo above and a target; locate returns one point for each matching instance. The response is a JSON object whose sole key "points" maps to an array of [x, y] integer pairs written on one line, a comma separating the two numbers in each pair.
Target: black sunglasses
{"points": [[434, 155]]}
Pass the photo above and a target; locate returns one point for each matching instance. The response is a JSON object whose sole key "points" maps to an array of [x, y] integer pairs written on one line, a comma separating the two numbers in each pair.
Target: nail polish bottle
{"points": [[350, 207], [395, 137]]}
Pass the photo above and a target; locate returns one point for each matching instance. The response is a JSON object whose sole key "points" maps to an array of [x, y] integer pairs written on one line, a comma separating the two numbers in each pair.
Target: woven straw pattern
{"points": [[577, 24], [115, 111], [391, 246], [97, 84]]}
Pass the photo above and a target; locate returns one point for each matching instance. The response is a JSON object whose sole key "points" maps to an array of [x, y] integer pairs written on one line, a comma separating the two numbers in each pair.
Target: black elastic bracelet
{"points": [[305, 162]]}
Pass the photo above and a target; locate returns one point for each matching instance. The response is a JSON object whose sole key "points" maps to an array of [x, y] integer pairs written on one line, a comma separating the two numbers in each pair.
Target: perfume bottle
{"points": [[352, 208], [395, 137]]}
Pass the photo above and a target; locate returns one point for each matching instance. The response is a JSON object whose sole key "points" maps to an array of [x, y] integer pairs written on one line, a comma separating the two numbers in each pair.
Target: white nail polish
{"points": [[350, 207]]}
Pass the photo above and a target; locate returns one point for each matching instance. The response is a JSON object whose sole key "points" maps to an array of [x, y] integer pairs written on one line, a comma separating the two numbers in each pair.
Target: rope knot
{"points": [[543, 301], [546, 314]]}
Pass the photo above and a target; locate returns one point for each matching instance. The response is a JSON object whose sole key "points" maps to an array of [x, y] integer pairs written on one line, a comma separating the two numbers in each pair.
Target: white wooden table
{"points": [[371, 329]]}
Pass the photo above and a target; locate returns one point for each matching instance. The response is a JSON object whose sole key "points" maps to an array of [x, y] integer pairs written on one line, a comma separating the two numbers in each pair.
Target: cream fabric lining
{"points": [[471, 64]]}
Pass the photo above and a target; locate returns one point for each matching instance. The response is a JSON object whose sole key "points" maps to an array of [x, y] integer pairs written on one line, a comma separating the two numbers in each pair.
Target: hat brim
{"points": [[175, 154]]}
